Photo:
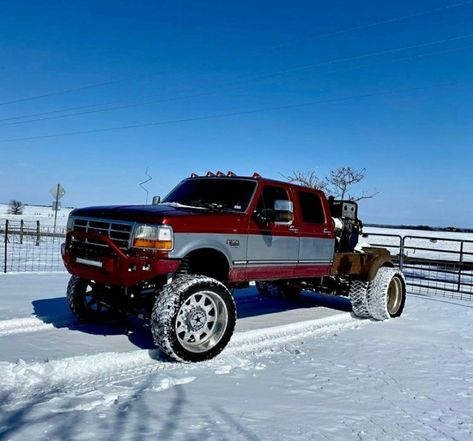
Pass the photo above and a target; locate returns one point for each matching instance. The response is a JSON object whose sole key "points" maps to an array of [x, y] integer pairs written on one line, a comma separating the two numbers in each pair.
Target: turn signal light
{"points": [[149, 243]]}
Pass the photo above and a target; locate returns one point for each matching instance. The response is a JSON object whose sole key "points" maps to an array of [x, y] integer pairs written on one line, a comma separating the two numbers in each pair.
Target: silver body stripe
{"points": [[316, 249], [264, 247], [258, 249]]}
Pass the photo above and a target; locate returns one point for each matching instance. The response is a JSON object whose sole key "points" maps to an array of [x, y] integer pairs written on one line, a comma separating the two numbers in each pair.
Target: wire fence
{"points": [[432, 265], [30, 247]]}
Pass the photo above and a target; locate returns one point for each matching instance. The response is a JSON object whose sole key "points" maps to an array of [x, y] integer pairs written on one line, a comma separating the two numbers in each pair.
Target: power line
{"points": [[72, 89], [254, 78], [232, 114], [383, 22], [318, 36]]}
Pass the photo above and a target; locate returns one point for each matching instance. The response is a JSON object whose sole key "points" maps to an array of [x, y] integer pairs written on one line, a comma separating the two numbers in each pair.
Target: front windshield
{"points": [[213, 193]]}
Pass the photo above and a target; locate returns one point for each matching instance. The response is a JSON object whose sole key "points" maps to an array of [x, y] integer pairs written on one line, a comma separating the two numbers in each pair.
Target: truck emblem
{"points": [[233, 242]]}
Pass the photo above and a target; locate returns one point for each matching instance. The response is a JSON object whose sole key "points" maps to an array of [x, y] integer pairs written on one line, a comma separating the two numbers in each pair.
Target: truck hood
{"points": [[148, 213]]}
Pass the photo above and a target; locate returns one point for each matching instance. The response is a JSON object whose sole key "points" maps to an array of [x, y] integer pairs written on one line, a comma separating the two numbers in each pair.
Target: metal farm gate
{"points": [[432, 265]]}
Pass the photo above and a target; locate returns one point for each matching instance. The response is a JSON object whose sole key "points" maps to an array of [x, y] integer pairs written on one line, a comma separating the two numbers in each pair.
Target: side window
{"points": [[311, 207], [268, 197]]}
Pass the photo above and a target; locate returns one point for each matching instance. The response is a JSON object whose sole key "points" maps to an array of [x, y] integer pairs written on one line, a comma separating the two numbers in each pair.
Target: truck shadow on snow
{"points": [[55, 311]]}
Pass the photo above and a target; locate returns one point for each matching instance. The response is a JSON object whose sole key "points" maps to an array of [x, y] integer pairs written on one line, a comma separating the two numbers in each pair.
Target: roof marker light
{"points": [[194, 175], [209, 173], [256, 175], [230, 173], [219, 173]]}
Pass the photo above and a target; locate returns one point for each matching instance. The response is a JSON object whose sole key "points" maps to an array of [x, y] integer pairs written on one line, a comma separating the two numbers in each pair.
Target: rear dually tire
{"points": [[386, 295]]}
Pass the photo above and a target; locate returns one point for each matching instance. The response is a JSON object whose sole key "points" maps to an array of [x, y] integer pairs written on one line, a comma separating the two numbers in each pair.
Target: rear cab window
{"points": [[311, 208]]}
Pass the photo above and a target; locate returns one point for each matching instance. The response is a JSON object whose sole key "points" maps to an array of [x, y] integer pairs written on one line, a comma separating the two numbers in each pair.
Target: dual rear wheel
{"points": [[382, 298]]}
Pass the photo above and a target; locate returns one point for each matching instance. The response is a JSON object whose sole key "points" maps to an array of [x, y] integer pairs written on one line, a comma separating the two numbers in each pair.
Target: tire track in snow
{"points": [[22, 381], [30, 324]]}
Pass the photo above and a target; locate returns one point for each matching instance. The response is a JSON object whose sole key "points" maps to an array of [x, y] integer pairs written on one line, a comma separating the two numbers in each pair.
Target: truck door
{"points": [[317, 236], [273, 241]]}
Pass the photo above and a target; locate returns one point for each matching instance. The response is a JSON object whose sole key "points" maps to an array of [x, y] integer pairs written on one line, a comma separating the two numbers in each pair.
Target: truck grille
{"points": [[118, 232]]}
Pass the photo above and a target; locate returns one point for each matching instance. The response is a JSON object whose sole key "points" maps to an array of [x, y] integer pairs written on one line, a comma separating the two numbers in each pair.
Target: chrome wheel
{"points": [[201, 321], [395, 294]]}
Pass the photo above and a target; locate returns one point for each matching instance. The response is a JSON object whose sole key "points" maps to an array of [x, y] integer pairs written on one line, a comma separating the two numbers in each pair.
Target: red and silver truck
{"points": [[176, 263]]}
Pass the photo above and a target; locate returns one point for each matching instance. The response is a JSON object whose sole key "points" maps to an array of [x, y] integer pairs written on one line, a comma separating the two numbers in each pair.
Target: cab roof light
{"points": [[194, 175], [209, 173], [230, 173], [256, 175], [219, 173]]}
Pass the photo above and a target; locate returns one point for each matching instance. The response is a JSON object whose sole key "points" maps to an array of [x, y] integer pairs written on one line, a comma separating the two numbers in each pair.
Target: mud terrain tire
{"points": [[386, 295], [82, 298], [359, 304], [193, 318]]}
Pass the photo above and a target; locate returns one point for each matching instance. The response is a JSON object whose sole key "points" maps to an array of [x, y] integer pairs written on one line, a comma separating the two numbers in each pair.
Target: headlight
{"points": [[153, 237]]}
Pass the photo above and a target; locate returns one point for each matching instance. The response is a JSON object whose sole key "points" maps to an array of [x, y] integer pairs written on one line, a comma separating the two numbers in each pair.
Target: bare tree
{"points": [[15, 207], [307, 179], [342, 179], [338, 183]]}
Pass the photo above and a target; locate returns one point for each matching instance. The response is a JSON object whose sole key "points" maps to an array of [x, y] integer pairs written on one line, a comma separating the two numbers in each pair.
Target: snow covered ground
{"points": [[293, 371], [32, 213]]}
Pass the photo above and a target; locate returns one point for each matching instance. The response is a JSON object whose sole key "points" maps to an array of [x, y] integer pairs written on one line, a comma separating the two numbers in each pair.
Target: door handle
{"points": [[327, 231], [293, 229]]}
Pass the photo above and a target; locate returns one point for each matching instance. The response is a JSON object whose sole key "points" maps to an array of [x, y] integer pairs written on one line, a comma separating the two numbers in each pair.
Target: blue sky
{"points": [[172, 60]]}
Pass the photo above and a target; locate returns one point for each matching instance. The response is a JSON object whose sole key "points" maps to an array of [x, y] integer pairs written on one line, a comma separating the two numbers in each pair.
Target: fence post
{"points": [[401, 252], [21, 231], [38, 234], [460, 269], [6, 247]]}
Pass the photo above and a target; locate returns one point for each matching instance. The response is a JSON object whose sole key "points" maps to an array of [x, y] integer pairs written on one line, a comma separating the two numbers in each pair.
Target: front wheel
{"points": [[193, 318], [84, 297]]}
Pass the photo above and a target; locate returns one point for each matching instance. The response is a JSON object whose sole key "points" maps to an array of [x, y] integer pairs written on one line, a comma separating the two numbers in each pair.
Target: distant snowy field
{"points": [[441, 242], [33, 213], [293, 371]]}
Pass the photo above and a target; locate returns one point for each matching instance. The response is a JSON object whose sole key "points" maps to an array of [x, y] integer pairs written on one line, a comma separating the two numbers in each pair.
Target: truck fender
{"points": [[379, 257]]}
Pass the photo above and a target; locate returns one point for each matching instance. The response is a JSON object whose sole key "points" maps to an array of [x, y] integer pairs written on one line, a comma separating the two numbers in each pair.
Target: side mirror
{"points": [[283, 210], [156, 200]]}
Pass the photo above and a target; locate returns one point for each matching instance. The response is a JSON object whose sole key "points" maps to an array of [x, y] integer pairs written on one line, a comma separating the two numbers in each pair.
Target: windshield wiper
{"points": [[179, 205], [212, 206]]}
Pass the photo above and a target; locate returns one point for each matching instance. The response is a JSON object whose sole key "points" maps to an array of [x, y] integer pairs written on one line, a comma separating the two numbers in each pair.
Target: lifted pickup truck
{"points": [[175, 263]]}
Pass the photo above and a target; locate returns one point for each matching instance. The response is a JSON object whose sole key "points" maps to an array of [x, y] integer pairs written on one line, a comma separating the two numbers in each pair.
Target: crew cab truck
{"points": [[175, 263]]}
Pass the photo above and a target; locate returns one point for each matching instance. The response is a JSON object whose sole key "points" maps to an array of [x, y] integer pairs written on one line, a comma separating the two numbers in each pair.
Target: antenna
{"points": [[141, 184]]}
